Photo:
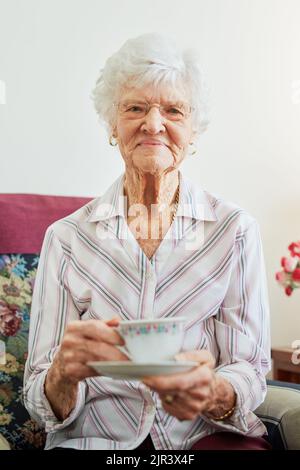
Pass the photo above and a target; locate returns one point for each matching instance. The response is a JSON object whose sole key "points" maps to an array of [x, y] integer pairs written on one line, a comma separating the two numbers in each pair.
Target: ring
{"points": [[169, 399]]}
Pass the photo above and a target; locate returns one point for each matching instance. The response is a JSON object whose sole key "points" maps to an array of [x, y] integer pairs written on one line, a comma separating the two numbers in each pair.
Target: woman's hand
{"points": [[187, 395], [84, 341]]}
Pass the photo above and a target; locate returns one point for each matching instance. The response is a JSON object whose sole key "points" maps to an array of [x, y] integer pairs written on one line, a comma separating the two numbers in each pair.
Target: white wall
{"points": [[51, 142]]}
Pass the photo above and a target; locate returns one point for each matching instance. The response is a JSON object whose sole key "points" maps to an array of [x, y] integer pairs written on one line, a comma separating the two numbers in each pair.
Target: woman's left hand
{"points": [[188, 394]]}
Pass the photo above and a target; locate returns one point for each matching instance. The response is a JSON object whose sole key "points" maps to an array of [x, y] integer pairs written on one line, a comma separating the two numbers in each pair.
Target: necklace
{"points": [[176, 204]]}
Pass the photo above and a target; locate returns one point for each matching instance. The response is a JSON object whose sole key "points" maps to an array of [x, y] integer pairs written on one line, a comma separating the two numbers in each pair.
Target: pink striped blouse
{"points": [[208, 268]]}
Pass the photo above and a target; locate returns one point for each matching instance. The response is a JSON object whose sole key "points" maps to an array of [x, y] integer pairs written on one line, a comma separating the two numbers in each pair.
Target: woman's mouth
{"points": [[149, 143]]}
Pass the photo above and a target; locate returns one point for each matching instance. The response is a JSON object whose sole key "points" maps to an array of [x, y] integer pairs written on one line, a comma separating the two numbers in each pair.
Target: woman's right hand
{"points": [[84, 341]]}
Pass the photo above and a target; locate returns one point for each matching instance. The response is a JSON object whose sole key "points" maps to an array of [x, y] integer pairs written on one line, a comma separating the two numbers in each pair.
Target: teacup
{"points": [[154, 340]]}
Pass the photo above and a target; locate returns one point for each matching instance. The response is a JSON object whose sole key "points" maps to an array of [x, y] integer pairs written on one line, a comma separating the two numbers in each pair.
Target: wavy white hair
{"points": [[151, 58]]}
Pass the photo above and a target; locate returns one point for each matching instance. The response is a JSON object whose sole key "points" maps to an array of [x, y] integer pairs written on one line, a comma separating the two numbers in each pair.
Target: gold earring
{"points": [[113, 141], [194, 148]]}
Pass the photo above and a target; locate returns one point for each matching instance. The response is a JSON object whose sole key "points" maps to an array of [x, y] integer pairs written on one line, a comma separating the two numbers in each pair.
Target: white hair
{"points": [[151, 58]]}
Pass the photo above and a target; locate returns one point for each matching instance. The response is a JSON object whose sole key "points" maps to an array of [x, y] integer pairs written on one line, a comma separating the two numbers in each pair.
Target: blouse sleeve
{"points": [[243, 333], [51, 310]]}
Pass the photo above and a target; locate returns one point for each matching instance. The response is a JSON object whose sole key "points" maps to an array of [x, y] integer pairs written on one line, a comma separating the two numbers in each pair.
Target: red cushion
{"points": [[24, 219]]}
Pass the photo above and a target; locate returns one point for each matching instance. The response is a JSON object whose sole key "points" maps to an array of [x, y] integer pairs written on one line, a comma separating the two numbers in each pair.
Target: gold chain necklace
{"points": [[176, 204]]}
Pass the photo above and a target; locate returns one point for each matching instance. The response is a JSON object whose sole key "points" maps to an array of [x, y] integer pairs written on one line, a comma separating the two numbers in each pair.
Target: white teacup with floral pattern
{"points": [[154, 340]]}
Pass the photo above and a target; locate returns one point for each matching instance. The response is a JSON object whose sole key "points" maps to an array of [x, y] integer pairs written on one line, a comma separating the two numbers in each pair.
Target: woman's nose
{"points": [[153, 121]]}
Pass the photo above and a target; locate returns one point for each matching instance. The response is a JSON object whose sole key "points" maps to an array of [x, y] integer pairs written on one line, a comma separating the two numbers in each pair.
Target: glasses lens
{"points": [[133, 110], [175, 112]]}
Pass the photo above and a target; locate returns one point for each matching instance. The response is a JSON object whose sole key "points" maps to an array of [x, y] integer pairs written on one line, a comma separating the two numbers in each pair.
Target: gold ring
{"points": [[168, 399]]}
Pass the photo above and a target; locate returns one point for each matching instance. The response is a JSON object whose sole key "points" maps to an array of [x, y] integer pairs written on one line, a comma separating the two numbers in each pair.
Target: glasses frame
{"points": [[159, 106]]}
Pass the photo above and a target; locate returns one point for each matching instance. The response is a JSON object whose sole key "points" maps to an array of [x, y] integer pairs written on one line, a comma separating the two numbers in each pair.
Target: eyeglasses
{"points": [[138, 109]]}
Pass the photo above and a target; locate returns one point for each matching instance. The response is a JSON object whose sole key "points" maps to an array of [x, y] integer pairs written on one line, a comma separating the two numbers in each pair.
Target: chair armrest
{"points": [[280, 412], [4, 445]]}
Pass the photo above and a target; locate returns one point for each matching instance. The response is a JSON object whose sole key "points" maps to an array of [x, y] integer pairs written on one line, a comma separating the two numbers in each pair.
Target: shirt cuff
{"points": [[38, 405], [242, 420]]}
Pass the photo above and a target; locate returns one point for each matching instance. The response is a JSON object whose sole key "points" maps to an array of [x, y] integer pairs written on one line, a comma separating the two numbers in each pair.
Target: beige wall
{"points": [[50, 141]]}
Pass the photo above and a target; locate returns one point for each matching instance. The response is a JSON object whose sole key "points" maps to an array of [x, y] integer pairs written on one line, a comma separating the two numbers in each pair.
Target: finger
{"points": [[99, 349], [188, 403], [202, 356], [199, 376], [182, 413], [79, 356], [104, 351], [97, 330], [177, 413], [195, 401], [113, 321]]}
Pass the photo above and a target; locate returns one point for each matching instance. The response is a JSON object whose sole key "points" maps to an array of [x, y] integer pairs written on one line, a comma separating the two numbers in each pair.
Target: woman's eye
{"points": [[174, 111], [135, 109]]}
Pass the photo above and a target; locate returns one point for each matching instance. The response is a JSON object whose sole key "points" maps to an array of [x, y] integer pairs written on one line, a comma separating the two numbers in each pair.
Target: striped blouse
{"points": [[208, 268]]}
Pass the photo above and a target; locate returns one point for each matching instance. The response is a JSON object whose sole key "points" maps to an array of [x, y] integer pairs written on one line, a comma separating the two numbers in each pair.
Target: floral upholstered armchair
{"points": [[23, 221]]}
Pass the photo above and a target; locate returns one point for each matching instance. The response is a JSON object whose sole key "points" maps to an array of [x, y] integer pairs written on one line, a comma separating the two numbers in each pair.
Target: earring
{"points": [[113, 141], [193, 148]]}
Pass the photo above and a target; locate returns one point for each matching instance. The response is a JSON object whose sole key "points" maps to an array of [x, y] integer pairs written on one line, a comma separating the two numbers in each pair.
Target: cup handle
{"points": [[123, 349]]}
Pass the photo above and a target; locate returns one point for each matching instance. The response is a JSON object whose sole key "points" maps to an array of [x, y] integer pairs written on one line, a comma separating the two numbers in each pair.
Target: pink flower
{"points": [[296, 275], [289, 264], [295, 249], [289, 277], [288, 290], [282, 277], [9, 322]]}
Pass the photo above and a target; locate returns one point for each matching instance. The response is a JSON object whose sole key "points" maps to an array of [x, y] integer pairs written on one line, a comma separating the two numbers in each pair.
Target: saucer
{"points": [[136, 370]]}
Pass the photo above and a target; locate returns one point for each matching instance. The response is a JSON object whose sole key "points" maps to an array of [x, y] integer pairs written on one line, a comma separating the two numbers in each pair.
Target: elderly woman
{"points": [[129, 254]]}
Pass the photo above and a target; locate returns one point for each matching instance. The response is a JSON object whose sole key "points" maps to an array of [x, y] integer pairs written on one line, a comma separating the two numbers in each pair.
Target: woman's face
{"points": [[153, 139]]}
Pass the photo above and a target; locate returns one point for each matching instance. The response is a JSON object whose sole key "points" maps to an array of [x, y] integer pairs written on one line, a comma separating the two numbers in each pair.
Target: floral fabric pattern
{"points": [[17, 276]]}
